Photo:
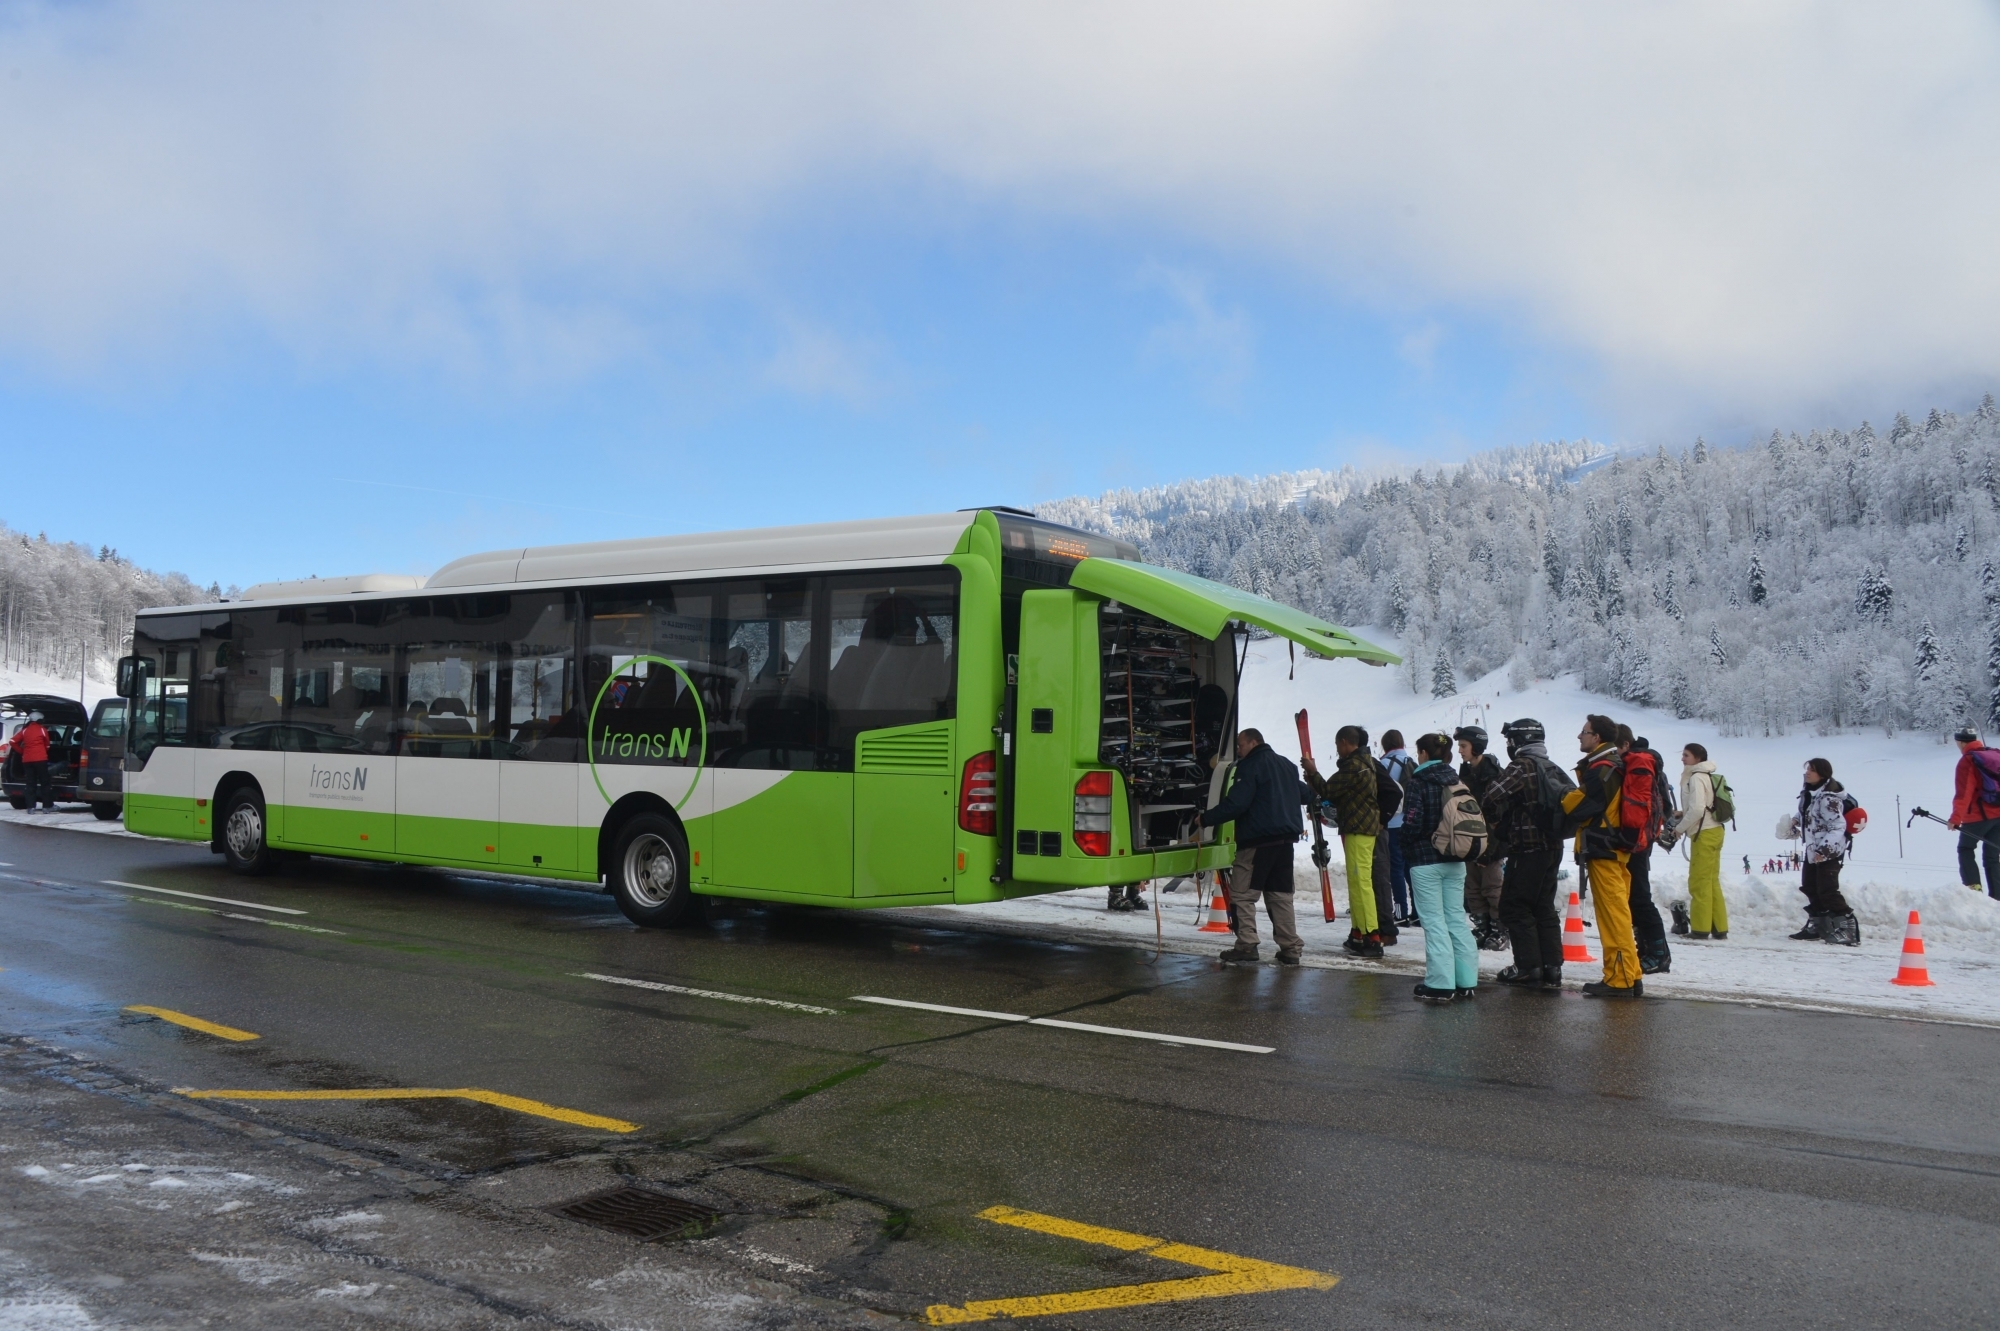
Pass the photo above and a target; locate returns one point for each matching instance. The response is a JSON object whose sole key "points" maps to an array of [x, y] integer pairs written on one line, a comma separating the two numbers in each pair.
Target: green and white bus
{"points": [[907, 711]]}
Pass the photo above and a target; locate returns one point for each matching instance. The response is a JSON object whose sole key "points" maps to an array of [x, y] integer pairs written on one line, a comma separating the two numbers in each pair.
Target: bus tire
{"points": [[244, 844], [649, 872]]}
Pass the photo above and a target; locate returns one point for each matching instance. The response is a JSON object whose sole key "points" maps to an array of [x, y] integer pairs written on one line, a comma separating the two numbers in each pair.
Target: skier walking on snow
{"points": [[1824, 825], [1975, 813]]}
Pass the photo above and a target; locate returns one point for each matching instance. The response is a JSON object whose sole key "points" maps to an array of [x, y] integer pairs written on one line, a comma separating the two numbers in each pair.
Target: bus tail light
{"points": [[1093, 813], [979, 795]]}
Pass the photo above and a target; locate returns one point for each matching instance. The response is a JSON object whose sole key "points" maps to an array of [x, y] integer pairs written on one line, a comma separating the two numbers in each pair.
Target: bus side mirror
{"points": [[131, 676]]}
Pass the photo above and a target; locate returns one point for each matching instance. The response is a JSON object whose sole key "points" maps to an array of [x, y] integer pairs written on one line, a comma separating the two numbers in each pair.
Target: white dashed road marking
{"points": [[707, 993], [1070, 1025], [227, 901]]}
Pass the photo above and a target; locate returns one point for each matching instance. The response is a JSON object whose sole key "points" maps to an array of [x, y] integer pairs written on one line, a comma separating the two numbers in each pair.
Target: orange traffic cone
{"points": [[1218, 913], [1915, 972], [1574, 948]]}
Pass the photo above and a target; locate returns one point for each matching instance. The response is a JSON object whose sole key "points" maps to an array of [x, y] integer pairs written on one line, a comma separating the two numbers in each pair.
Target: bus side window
{"points": [[894, 640]]}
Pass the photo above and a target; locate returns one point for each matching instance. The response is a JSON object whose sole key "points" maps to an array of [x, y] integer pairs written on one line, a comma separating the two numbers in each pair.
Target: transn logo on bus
{"points": [[326, 778], [674, 744]]}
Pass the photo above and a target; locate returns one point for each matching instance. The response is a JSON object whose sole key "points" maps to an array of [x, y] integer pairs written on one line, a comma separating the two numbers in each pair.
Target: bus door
{"points": [[891, 700], [783, 799]]}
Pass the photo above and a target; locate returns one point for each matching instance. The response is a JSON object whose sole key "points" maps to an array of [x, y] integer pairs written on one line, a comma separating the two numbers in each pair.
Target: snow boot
{"points": [[1599, 989], [1524, 979], [1680, 911], [1371, 946], [1719, 935], [1490, 937], [1240, 955], [1655, 958], [1288, 958], [1552, 979], [1355, 943], [1843, 930], [1423, 993], [1815, 928]]}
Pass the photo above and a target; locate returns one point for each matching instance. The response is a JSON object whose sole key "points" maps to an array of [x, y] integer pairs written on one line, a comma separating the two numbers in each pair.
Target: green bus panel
{"points": [[309, 827], [796, 838], [162, 815], [902, 834]]}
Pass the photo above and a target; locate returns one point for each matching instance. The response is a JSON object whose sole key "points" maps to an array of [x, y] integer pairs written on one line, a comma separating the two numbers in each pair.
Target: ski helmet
{"points": [[1473, 735], [1527, 730]]}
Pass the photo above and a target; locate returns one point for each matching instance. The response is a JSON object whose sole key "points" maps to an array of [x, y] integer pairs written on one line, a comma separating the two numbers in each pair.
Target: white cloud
{"points": [[1759, 206]]}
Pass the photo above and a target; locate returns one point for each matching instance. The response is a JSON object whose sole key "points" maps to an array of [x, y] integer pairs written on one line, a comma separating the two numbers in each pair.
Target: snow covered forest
{"points": [[63, 605], [1844, 578]]}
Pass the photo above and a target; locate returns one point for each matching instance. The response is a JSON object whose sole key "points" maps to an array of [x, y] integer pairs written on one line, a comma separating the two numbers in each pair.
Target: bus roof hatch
{"points": [[1205, 607]]}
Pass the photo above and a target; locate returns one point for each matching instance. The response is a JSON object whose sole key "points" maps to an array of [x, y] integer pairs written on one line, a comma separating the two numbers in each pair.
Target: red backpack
{"points": [[1635, 797]]}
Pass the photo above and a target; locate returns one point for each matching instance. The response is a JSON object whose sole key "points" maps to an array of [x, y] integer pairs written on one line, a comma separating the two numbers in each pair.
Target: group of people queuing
{"points": [[1472, 852]]}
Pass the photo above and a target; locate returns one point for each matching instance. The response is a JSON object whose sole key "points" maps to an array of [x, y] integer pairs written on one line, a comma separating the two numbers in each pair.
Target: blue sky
{"points": [[295, 291]]}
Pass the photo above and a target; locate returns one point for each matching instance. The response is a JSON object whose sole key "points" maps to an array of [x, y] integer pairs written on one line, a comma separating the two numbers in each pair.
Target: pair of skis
{"points": [[1321, 855]]}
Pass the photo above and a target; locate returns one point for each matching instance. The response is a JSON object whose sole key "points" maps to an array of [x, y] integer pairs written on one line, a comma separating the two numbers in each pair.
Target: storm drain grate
{"points": [[641, 1212]]}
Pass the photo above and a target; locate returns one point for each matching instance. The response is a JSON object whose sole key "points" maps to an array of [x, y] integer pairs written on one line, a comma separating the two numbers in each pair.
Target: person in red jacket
{"points": [[1978, 822], [33, 743]]}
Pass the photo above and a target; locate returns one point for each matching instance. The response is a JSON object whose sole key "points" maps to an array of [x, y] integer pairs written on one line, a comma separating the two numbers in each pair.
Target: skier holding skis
{"points": [[1351, 792]]}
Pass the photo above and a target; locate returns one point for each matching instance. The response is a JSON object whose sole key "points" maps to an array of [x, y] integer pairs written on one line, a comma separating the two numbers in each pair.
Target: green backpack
{"points": [[1722, 807]]}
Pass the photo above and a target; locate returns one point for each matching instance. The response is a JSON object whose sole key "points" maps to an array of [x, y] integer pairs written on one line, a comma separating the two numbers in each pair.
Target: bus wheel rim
{"points": [[650, 870], [245, 832]]}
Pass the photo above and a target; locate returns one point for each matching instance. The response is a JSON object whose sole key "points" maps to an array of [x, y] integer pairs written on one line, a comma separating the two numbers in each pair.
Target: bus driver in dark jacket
{"points": [[1264, 802]]}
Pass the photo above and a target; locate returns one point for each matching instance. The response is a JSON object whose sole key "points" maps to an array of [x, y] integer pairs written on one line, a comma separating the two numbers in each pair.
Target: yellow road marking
{"points": [[495, 1098], [1235, 1275], [193, 1023]]}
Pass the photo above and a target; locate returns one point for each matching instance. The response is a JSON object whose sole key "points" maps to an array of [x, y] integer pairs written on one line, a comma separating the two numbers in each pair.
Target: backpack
{"points": [[1388, 795], [1638, 790], [1722, 801], [1461, 830], [1551, 784], [1986, 762]]}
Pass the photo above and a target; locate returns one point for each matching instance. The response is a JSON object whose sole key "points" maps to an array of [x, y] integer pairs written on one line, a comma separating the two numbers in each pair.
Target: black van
{"points": [[102, 780], [65, 720]]}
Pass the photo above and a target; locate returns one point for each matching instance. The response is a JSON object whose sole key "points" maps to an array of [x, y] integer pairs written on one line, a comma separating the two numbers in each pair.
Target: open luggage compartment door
{"points": [[1055, 733], [1204, 608]]}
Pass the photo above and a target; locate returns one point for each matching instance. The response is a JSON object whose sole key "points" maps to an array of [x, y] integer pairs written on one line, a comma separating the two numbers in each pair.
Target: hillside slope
{"points": [[1831, 580]]}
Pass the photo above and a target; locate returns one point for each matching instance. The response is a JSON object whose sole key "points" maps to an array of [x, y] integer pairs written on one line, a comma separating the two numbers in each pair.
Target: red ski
{"points": [[1321, 855]]}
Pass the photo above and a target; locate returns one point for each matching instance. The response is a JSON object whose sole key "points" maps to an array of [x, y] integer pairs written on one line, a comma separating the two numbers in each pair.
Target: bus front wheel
{"points": [[243, 841], [648, 873]]}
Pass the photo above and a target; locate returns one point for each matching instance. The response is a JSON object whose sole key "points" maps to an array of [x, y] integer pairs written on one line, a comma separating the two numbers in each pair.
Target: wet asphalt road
{"points": [[1523, 1160]]}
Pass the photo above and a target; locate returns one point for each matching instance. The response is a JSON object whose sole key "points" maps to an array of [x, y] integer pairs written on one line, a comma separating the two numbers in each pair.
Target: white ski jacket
{"points": [[1697, 800]]}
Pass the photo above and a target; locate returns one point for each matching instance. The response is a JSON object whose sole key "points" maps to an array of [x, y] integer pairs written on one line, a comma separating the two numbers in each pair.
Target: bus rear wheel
{"points": [[243, 840], [648, 873]]}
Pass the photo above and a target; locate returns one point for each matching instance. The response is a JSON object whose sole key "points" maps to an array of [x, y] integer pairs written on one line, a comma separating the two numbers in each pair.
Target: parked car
{"points": [[102, 781], [65, 720]]}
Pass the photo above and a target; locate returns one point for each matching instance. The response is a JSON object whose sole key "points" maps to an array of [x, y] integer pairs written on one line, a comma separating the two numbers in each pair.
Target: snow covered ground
{"points": [[16, 680], [1884, 882]]}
